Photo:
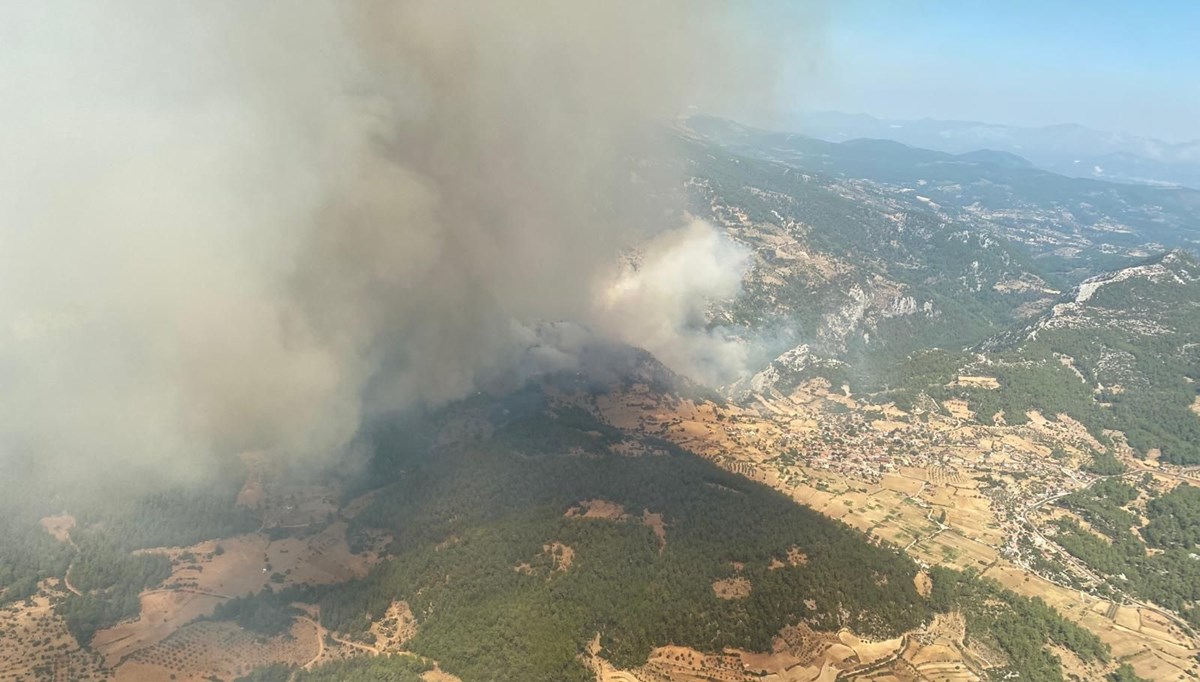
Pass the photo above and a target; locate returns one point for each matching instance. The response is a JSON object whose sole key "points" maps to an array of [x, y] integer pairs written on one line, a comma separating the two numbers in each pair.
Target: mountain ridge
{"points": [[1067, 148]]}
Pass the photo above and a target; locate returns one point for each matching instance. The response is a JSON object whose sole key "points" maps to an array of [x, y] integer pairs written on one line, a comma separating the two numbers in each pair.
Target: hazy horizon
{"points": [[1116, 67], [1006, 124]]}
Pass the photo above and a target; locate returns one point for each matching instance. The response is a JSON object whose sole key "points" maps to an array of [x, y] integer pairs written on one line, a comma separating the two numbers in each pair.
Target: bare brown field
{"points": [[252, 494], [397, 626], [732, 588], [958, 409], [940, 653], [977, 381], [688, 665], [1025, 445], [294, 506], [210, 572], [598, 509], [1074, 667], [59, 526], [902, 484], [33, 637], [438, 675], [1155, 648], [560, 556], [908, 505], [162, 613], [218, 649], [951, 548], [245, 563], [923, 583], [318, 559], [795, 557], [888, 425], [868, 652], [970, 513], [655, 522], [798, 655]]}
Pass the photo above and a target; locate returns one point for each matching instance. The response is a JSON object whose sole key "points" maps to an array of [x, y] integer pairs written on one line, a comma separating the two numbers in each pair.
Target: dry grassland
{"points": [[909, 505], [59, 526], [218, 649], [598, 509], [732, 588], [1155, 648], [977, 382], [210, 572], [34, 638]]}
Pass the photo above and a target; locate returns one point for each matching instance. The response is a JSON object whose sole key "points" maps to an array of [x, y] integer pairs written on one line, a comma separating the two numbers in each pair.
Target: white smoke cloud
{"points": [[660, 300], [231, 226]]}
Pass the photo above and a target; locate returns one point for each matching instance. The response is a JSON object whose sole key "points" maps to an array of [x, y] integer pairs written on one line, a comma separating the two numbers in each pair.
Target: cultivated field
{"points": [[798, 655], [944, 488], [204, 650], [35, 643]]}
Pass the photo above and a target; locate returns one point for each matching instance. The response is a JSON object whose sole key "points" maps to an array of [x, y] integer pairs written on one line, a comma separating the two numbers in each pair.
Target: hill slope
{"points": [[1125, 355], [663, 548]]}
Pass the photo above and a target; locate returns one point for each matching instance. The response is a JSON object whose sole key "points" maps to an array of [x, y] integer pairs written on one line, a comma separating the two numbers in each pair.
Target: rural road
{"points": [[1082, 568], [928, 517], [322, 633], [67, 581], [320, 641], [67, 573]]}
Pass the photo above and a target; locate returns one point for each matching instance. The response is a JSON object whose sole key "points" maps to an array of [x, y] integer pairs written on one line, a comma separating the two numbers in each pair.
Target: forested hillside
{"points": [[471, 525], [99, 559], [463, 521], [851, 270], [895, 270], [983, 184], [1156, 560], [1119, 353]]}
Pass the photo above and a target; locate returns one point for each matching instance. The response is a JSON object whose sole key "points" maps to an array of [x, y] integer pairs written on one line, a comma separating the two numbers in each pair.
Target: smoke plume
{"points": [[659, 302], [235, 226]]}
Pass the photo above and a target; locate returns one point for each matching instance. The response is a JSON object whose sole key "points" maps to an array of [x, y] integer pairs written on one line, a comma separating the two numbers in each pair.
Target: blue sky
{"points": [[1123, 66]]}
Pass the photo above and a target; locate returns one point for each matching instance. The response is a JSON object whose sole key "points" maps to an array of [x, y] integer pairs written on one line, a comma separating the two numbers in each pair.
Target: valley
{"points": [[963, 427], [942, 489], [545, 341], [949, 491]]}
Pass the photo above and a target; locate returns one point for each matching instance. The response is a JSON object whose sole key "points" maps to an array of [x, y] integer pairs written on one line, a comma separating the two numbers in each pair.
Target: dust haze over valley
{"points": [[235, 228]]}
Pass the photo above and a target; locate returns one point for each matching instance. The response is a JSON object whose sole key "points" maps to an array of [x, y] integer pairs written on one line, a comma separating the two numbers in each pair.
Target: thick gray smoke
{"points": [[232, 226]]}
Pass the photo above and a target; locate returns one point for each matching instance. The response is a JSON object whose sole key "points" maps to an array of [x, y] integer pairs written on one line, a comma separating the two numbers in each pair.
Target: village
{"points": [[932, 482]]}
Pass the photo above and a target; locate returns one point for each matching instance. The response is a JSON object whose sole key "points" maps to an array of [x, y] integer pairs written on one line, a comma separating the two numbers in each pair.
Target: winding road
{"points": [[320, 641], [1081, 567]]}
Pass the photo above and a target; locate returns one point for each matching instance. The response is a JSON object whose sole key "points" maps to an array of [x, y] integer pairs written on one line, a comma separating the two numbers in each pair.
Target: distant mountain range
{"points": [[992, 191], [1068, 149]]}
